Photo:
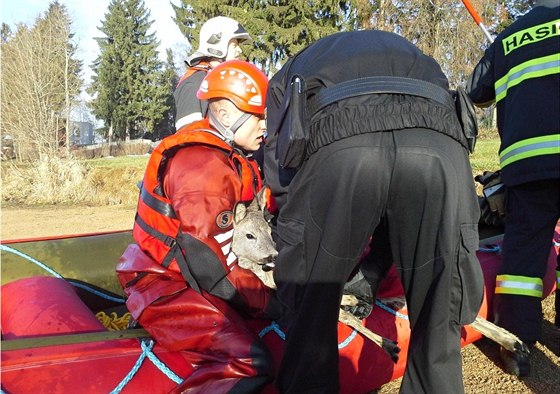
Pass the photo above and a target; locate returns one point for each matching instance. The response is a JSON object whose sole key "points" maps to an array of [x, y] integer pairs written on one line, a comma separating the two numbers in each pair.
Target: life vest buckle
{"points": [[170, 242]]}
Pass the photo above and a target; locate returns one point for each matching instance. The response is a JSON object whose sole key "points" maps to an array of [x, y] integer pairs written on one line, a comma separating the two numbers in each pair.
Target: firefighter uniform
{"points": [[392, 161], [188, 108], [215, 37], [181, 278], [520, 72]]}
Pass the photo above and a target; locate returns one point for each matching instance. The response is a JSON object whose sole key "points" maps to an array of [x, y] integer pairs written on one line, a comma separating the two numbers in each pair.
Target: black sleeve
{"points": [[188, 107], [480, 86], [276, 177]]}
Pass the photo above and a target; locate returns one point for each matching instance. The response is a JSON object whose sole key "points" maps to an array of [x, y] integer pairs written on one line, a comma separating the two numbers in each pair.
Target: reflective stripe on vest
{"points": [[558, 279], [531, 147], [534, 68], [185, 120], [519, 285]]}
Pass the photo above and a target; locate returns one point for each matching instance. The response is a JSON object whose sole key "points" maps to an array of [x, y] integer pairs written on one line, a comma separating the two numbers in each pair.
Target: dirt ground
{"points": [[481, 366]]}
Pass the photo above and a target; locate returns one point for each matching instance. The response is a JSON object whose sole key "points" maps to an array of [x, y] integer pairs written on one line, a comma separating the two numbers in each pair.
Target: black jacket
{"points": [[347, 56]]}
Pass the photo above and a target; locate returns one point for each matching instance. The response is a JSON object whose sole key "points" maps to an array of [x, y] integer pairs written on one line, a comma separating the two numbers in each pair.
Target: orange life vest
{"points": [[202, 66], [157, 230]]}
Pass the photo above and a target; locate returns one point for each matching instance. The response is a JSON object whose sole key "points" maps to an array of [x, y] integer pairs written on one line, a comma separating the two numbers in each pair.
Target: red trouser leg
{"points": [[226, 355]]}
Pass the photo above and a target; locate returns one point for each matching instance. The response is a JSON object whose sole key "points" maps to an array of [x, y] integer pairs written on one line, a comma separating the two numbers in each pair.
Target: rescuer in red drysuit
{"points": [[182, 281]]}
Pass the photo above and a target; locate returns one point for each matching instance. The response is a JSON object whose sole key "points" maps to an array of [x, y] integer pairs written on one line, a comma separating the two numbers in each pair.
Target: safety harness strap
{"points": [[381, 85], [166, 239], [157, 205], [175, 252]]}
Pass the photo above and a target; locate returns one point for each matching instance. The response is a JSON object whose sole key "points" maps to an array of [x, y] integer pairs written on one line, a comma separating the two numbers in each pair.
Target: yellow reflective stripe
{"points": [[558, 279], [530, 35], [519, 285], [534, 68], [531, 147]]}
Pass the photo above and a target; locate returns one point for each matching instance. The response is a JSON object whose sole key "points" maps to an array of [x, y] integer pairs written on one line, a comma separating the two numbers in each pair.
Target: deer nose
{"points": [[269, 262], [268, 266]]}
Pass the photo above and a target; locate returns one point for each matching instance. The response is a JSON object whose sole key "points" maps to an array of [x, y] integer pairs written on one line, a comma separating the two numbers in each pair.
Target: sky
{"points": [[86, 16]]}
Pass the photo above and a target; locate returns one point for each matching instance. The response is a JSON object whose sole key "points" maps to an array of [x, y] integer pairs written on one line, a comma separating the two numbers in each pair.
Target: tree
{"points": [[40, 81], [279, 29], [169, 79], [6, 33], [442, 29], [128, 94]]}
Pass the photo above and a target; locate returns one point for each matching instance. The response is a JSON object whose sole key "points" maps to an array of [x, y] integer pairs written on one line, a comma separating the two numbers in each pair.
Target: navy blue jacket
{"points": [[520, 72]]}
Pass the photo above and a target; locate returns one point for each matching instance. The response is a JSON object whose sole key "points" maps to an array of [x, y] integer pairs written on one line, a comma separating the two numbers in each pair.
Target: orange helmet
{"points": [[239, 81]]}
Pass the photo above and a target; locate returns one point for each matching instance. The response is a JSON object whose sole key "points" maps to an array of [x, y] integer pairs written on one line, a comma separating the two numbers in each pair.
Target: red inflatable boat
{"points": [[53, 343]]}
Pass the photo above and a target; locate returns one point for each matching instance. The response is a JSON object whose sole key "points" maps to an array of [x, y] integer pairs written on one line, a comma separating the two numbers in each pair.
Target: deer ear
{"points": [[261, 197], [239, 212]]}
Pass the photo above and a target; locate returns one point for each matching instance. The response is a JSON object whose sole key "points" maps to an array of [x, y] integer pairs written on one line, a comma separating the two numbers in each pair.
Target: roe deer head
{"points": [[252, 239]]}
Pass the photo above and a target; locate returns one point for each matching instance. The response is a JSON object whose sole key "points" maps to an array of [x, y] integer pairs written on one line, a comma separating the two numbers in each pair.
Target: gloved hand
{"points": [[487, 217], [360, 288], [361, 310], [493, 191]]}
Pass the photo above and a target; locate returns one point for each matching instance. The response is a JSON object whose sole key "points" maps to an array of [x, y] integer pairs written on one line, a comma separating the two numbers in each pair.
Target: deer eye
{"points": [[250, 236]]}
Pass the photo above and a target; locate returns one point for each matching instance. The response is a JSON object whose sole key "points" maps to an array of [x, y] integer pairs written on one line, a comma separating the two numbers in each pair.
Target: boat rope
{"points": [[43, 266], [390, 310], [113, 322], [347, 341], [276, 328], [147, 347], [135, 368], [57, 275], [273, 327], [490, 248], [97, 292], [162, 367]]}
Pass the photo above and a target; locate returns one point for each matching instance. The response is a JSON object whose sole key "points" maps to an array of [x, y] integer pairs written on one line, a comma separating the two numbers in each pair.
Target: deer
{"points": [[256, 251]]}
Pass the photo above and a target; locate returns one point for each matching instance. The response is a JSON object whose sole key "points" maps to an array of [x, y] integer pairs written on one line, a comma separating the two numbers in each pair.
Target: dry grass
{"points": [[70, 181]]}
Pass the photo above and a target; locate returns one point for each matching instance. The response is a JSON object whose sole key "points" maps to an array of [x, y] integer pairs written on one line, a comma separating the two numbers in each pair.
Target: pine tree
{"points": [[129, 96], [169, 79], [279, 29]]}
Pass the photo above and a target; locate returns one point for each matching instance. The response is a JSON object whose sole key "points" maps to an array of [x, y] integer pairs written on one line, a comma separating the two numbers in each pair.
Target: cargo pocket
{"points": [[468, 276], [290, 272]]}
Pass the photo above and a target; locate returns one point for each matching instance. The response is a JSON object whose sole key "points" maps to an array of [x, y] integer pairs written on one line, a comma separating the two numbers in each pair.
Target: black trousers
{"points": [[419, 184], [532, 211]]}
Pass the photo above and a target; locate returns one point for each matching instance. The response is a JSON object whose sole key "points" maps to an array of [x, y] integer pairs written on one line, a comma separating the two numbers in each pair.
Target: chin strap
{"points": [[228, 132]]}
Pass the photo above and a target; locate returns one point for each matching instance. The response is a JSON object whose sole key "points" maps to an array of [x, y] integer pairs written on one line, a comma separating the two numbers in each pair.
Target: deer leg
{"points": [[389, 346], [500, 335], [491, 331]]}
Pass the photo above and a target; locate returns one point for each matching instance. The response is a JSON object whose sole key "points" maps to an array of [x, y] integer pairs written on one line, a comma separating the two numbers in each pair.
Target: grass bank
{"points": [[96, 182], [113, 180]]}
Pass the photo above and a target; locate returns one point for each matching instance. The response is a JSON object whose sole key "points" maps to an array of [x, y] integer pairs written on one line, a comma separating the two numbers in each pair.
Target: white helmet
{"points": [[215, 35]]}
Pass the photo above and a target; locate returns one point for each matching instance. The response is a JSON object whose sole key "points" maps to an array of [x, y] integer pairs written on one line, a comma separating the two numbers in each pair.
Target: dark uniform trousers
{"points": [[532, 211], [419, 184]]}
